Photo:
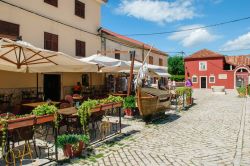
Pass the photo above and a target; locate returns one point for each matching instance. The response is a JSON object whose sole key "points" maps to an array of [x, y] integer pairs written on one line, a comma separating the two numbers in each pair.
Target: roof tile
{"points": [[204, 54]]}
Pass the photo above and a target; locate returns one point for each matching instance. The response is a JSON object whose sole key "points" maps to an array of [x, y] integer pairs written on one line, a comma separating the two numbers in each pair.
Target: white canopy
{"points": [[158, 70], [21, 56], [106, 64]]}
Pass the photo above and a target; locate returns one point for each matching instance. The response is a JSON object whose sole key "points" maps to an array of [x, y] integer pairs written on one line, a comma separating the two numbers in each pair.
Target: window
{"points": [[80, 48], [202, 66], [151, 60], [194, 79], [9, 30], [117, 55], [212, 79], [160, 62], [52, 2], [79, 9], [50, 41]]}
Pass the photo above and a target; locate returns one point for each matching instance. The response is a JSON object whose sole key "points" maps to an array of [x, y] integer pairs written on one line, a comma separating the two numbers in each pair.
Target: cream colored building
{"points": [[112, 41], [47, 23]]}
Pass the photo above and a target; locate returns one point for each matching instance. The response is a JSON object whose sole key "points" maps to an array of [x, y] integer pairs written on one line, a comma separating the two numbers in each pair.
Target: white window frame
{"points": [[210, 81], [200, 69], [193, 79]]}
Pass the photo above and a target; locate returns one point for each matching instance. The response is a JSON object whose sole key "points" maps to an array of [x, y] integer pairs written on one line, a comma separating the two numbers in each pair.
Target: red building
{"points": [[207, 68]]}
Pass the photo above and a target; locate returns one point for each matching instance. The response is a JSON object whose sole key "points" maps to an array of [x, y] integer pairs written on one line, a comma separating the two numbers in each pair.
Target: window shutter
{"points": [[50, 41], [52, 2], [79, 9], [9, 30], [80, 48]]}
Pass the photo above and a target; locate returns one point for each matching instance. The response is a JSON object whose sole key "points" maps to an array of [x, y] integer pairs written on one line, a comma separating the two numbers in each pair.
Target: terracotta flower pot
{"points": [[70, 151], [189, 100], [128, 112]]}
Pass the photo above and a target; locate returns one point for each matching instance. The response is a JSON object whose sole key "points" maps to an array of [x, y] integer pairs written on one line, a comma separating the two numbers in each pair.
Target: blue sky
{"points": [[146, 16]]}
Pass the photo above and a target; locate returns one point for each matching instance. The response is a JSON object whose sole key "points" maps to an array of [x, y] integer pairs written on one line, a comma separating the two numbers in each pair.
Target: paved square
{"points": [[216, 131]]}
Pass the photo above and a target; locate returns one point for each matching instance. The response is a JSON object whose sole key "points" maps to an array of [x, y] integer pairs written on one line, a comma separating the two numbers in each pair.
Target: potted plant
{"points": [[242, 91], [189, 99], [129, 105], [72, 144], [45, 113]]}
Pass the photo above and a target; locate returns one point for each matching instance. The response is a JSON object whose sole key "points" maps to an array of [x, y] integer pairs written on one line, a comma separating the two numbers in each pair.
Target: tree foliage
{"points": [[176, 65]]}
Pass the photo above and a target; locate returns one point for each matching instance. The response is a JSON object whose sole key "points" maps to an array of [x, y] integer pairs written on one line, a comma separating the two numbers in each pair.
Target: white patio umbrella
{"points": [[20, 56], [106, 64]]}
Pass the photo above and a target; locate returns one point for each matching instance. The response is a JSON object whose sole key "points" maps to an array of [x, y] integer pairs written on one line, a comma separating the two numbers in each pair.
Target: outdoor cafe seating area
{"points": [[34, 126]]}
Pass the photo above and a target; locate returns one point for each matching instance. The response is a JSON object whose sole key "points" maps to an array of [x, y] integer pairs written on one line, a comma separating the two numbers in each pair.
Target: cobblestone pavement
{"points": [[216, 131]]}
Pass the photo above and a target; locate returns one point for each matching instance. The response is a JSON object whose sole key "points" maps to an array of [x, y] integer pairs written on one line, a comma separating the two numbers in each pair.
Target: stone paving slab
{"points": [[216, 131]]}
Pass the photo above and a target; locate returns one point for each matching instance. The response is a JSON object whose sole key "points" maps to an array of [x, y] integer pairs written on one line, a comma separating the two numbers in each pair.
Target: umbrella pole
{"points": [[37, 86], [132, 53]]}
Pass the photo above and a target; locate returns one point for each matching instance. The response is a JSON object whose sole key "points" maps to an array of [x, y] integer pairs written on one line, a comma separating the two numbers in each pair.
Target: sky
{"points": [[128, 17]]}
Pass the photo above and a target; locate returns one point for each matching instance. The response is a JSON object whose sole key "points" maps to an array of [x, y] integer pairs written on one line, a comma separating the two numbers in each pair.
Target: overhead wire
{"points": [[189, 29]]}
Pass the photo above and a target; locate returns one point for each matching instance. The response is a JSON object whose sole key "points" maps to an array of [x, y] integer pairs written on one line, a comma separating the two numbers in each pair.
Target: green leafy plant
{"points": [[44, 109], [47, 109], [4, 125], [129, 102], [84, 112], [72, 139], [242, 91], [177, 78], [111, 99]]}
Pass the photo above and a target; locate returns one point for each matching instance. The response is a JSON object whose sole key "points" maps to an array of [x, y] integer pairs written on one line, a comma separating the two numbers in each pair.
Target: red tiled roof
{"points": [[204, 54], [133, 41], [238, 60]]}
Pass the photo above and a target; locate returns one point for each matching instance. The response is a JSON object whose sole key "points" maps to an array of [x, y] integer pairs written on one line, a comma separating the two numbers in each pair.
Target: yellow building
{"points": [[68, 26]]}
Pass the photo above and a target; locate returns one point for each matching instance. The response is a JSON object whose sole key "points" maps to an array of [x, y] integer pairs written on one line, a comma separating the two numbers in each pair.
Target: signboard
{"points": [[222, 76]]}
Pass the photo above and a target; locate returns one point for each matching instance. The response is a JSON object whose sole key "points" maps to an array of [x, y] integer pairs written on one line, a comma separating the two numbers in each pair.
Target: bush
{"points": [[242, 91], [184, 90], [178, 78], [129, 102]]}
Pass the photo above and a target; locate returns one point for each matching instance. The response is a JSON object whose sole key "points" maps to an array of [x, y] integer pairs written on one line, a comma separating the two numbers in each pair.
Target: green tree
{"points": [[176, 65]]}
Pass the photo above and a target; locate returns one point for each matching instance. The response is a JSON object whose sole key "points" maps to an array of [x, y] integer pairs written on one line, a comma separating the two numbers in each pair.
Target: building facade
{"points": [[66, 26], [207, 68], [112, 41]]}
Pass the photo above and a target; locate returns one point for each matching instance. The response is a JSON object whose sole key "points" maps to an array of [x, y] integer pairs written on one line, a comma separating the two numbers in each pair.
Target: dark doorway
{"points": [[203, 82], [52, 87]]}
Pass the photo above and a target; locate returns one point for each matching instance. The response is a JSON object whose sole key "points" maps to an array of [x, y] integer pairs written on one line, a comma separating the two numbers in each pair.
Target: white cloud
{"points": [[241, 42], [158, 10], [194, 37]]}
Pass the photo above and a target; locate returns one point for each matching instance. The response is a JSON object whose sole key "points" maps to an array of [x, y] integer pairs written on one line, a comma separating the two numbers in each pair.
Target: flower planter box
{"points": [[70, 151], [106, 106], [20, 122], [44, 119], [96, 109], [117, 105]]}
